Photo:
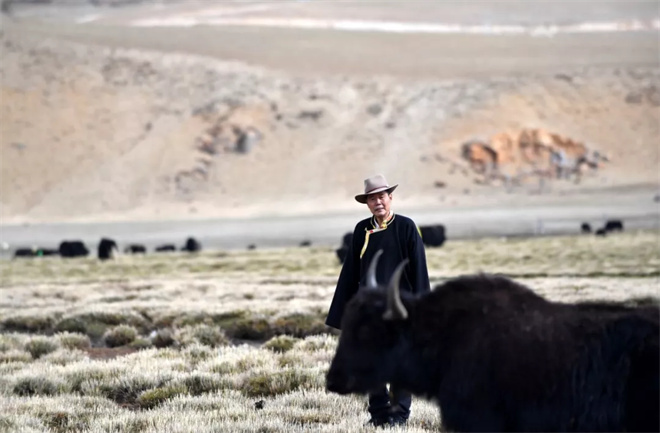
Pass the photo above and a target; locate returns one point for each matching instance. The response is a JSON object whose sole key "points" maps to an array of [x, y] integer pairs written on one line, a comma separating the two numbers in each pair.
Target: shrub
{"points": [[12, 341], [70, 340], [64, 357], [95, 324], [210, 336], [15, 356], [196, 353], [299, 325], [281, 343], [203, 383], [225, 320], [120, 336], [207, 335], [83, 325], [29, 386], [291, 360], [280, 382], [96, 330], [80, 380], [126, 391], [182, 320], [153, 397], [140, 343], [250, 329], [71, 324], [163, 338], [28, 324], [40, 346], [62, 422]]}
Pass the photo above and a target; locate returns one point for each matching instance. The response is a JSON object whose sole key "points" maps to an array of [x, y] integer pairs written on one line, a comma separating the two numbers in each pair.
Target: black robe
{"points": [[399, 241]]}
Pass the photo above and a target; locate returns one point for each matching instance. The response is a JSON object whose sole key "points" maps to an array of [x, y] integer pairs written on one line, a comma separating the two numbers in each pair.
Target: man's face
{"points": [[379, 204]]}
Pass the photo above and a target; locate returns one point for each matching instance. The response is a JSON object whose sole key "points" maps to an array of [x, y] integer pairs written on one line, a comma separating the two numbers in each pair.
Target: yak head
{"points": [[372, 341]]}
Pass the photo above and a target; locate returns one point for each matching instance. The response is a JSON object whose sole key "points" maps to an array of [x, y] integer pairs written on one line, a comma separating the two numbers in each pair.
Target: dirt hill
{"points": [[92, 133]]}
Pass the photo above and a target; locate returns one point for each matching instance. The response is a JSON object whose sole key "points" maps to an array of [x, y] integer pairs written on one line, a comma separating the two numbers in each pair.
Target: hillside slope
{"points": [[104, 133]]}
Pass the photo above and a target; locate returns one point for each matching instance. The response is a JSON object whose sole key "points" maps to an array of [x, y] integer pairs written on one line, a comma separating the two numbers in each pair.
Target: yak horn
{"points": [[372, 283], [395, 308]]}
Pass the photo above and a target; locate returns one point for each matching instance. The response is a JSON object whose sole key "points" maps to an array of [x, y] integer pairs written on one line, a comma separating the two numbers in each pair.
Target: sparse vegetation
{"points": [[267, 384], [194, 370], [163, 338], [40, 346], [73, 340], [299, 325], [34, 385], [281, 343], [208, 335], [27, 323], [256, 328], [153, 397], [120, 336]]}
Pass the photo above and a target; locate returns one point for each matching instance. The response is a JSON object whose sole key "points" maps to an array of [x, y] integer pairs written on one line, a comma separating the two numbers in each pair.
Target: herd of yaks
{"points": [[432, 236], [107, 249]]}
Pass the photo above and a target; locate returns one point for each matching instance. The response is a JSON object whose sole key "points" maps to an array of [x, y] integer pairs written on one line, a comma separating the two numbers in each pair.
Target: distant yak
{"points": [[165, 248], [495, 356], [614, 226], [135, 249], [107, 249], [192, 245], [25, 252], [71, 249], [433, 235], [35, 252]]}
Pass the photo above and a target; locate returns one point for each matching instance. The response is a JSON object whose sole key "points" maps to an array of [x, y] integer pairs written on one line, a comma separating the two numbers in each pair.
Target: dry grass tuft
{"points": [[120, 336]]}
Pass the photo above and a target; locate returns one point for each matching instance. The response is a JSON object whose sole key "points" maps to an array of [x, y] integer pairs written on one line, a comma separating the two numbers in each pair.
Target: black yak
{"points": [[614, 226], [495, 356], [192, 245], [433, 235], [107, 249], [135, 249], [25, 252], [47, 252], [165, 248], [35, 252], [72, 249]]}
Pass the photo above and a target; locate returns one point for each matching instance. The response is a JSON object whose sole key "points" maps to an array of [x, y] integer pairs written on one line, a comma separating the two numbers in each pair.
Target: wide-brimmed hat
{"points": [[373, 185]]}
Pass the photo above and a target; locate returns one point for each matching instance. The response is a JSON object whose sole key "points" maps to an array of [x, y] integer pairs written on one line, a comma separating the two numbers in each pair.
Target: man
{"points": [[399, 239]]}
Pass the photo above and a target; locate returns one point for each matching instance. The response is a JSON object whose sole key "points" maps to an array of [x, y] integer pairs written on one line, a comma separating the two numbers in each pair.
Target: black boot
{"points": [[381, 421]]}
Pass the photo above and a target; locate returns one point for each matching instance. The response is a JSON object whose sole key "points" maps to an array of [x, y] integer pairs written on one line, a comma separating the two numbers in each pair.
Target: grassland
{"points": [[235, 341]]}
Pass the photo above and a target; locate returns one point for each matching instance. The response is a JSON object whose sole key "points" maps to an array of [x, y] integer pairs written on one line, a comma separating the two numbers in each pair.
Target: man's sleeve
{"points": [[418, 268], [347, 285]]}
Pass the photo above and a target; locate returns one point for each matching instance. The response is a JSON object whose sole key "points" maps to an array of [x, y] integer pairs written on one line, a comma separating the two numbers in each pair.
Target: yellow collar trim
{"points": [[376, 229], [387, 222]]}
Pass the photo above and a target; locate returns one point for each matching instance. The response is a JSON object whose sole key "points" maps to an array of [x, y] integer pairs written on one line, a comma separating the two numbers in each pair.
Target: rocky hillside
{"points": [[91, 133]]}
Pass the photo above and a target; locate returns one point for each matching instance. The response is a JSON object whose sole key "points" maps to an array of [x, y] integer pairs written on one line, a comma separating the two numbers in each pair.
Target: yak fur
{"points": [[495, 356]]}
